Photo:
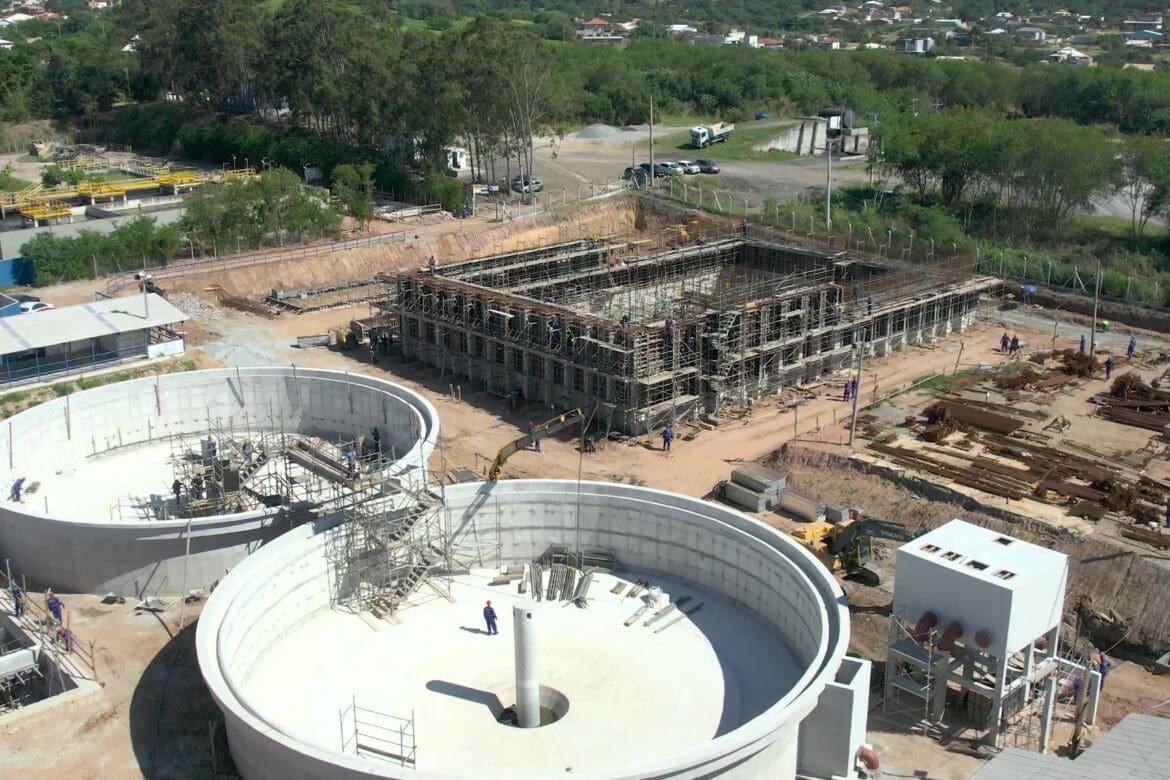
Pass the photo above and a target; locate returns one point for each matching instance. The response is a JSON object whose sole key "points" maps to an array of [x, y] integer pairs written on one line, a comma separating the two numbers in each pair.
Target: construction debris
{"points": [[953, 414], [1133, 402]]}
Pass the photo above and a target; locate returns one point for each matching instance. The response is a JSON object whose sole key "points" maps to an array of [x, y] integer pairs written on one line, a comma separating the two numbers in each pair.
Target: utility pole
{"points": [[872, 150], [145, 293], [1096, 297], [829, 187], [651, 171], [857, 390]]}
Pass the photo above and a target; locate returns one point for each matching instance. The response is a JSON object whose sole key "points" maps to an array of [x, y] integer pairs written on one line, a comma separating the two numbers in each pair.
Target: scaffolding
{"points": [[372, 734], [910, 674], [664, 326]]}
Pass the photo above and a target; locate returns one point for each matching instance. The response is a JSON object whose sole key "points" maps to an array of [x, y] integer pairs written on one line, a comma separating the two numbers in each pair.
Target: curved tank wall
{"points": [[94, 554], [273, 593]]}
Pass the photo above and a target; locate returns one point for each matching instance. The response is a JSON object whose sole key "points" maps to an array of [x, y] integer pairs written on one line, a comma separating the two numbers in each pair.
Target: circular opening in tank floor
{"points": [[553, 706]]}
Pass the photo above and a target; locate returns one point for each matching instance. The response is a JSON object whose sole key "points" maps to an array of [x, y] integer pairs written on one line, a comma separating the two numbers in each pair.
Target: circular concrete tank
{"points": [[722, 690], [98, 513]]}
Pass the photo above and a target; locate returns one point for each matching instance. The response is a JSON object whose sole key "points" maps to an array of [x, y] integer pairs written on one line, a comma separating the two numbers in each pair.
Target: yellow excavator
{"points": [[546, 428], [847, 547]]}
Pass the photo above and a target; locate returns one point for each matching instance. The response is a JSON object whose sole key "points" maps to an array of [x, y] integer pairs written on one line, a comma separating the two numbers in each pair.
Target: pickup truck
{"points": [[703, 136]]}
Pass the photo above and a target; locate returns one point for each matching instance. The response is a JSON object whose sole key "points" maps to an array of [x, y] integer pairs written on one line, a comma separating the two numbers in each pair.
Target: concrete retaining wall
{"points": [[272, 593], [82, 554]]}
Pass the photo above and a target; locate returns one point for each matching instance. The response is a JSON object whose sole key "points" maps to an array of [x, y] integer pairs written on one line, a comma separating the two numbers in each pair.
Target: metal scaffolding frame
{"points": [[661, 326]]}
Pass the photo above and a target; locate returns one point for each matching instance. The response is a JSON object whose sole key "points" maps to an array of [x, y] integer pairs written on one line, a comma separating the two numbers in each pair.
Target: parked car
{"points": [[761, 115], [706, 166], [662, 169], [688, 166], [31, 306], [674, 168], [526, 184], [24, 298], [637, 175]]}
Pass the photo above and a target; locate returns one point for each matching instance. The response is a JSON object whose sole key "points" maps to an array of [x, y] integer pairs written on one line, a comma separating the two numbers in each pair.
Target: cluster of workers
{"points": [[53, 605]]}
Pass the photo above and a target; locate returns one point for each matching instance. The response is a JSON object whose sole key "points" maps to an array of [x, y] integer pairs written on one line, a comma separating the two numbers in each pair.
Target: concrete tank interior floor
{"points": [[126, 484], [635, 695]]}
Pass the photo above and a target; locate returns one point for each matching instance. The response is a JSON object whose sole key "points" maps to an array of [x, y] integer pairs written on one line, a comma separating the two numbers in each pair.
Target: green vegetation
{"points": [[91, 253], [738, 147], [9, 183], [272, 209]]}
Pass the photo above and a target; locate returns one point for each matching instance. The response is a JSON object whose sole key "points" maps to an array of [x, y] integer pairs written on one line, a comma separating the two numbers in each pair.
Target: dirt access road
{"points": [[600, 153]]}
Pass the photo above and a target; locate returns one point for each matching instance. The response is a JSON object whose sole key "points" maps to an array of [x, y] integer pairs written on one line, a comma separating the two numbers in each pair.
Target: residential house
{"points": [[1146, 23], [1030, 36], [680, 30], [598, 30], [1142, 38], [1071, 56], [771, 43], [827, 42], [595, 27], [913, 45], [959, 37]]}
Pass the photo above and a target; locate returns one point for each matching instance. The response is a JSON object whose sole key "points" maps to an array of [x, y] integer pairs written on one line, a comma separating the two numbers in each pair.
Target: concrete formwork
{"points": [[53, 546], [283, 588], [648, 333]]}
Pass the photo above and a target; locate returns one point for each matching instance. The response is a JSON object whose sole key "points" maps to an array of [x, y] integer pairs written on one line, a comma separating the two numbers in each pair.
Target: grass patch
{"points": [[737, 147], [1118, 227], [9, 183], [946, 383]]}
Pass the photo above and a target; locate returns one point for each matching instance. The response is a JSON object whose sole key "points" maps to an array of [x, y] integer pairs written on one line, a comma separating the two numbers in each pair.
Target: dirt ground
{"points": [[155, 718]]}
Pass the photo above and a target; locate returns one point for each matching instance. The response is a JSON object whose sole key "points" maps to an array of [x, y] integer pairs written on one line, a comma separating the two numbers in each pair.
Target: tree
{"points": [[1145, 187], [1058, 167], [353, 185]]}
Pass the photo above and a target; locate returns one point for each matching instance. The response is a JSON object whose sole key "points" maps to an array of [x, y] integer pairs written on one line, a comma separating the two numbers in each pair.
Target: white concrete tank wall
{"points": [[272, 593], [86, 554]]}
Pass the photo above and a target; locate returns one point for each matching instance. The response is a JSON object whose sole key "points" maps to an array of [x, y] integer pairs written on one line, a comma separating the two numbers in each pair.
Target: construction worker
{"points": [[489, 617], [1015, 345], [847, 388], [1108, 367], [212, 446], [1082, 350], [248, 452], [667, 436], [1004, 342], [1131, 348], [177, 487], [197, 487], [54, 604], [17, 600], [1103, 665], [17, 489], [532, 433]]}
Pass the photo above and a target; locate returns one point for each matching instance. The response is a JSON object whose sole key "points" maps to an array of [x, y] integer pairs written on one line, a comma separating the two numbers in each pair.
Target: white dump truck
{"points": [[703, 136]]}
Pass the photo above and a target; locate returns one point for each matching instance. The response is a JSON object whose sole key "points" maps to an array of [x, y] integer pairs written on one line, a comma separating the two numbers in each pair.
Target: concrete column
{"points": [[1049, 705], [527, 687], [1094, 698]]}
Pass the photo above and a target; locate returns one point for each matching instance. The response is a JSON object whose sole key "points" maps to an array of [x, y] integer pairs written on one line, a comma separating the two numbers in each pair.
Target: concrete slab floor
{"points": [[634, 695], [122, 485]]}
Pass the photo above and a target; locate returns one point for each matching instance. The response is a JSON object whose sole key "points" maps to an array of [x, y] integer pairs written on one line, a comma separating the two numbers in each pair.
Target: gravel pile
{"points": [[598, 132], [196, 308]]}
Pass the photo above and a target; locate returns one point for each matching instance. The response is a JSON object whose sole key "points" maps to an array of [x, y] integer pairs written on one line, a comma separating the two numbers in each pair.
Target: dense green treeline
{"points": [[359, 73]]}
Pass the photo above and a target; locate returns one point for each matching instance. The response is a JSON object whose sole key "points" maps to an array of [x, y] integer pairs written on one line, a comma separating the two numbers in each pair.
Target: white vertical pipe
{"points": [[527, 687]]}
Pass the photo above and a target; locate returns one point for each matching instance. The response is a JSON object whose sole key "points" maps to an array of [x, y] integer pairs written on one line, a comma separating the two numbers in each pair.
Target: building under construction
{"points": [[650, 328]]}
